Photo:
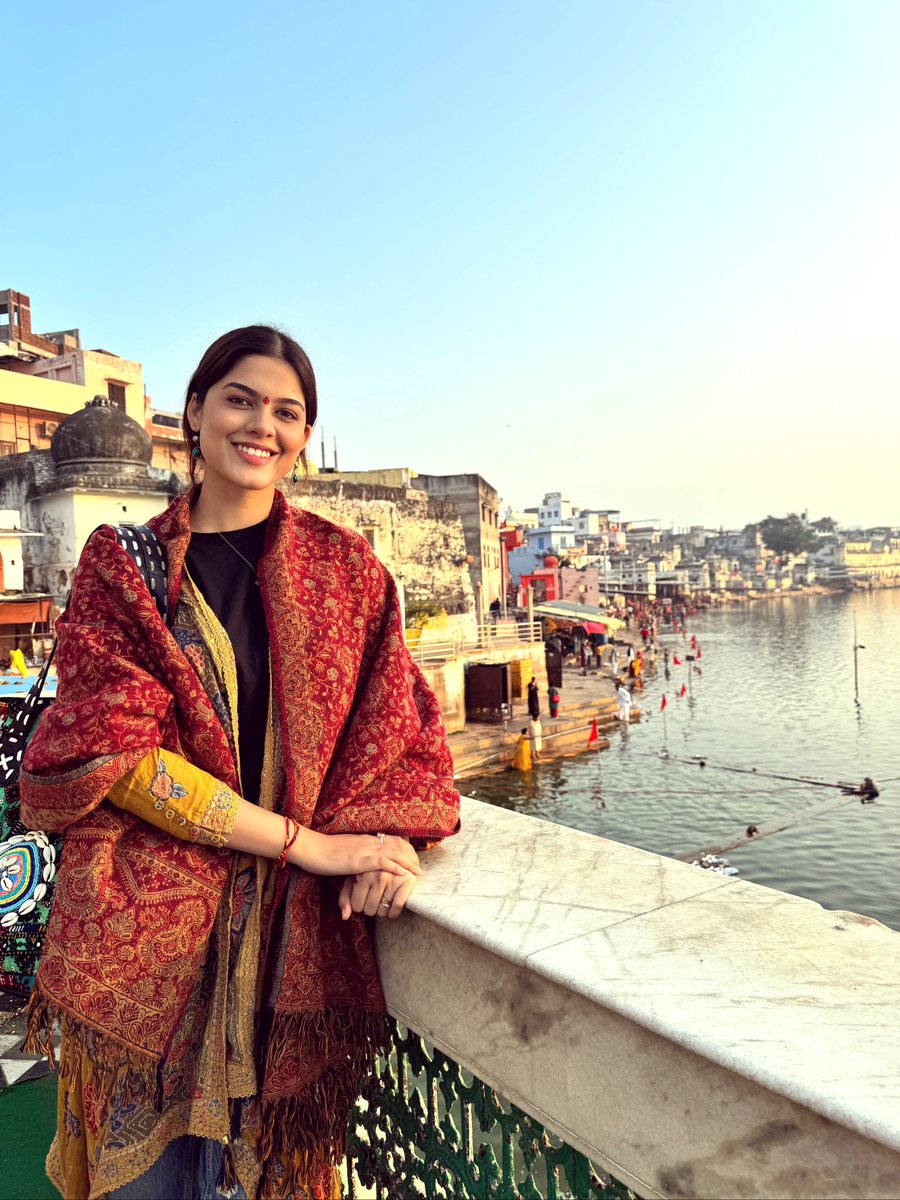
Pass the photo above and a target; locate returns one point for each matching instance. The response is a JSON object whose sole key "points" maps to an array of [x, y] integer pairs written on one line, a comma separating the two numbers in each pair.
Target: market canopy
{"points": [[579, 614]]}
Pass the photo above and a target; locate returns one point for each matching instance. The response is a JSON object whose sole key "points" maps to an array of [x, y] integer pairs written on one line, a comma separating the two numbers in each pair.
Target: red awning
{"points": [[591, 626], [23, 612]]}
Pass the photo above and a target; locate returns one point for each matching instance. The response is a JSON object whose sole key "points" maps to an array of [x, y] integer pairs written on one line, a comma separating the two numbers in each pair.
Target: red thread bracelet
{"points": [[282, 857]]}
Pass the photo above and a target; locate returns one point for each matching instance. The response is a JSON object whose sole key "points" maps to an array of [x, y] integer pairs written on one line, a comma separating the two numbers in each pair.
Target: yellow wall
{"points": [[100, 368], [387, 477], [30, 391], [862, 554], [57, 396]]}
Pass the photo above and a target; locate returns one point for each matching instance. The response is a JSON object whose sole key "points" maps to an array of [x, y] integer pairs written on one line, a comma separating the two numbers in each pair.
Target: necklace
{"points": [[238, 553]]}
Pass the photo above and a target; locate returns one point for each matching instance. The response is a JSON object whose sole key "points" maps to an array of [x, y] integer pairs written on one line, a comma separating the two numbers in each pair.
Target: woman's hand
{"points": [[353, 854], [376, 893]]}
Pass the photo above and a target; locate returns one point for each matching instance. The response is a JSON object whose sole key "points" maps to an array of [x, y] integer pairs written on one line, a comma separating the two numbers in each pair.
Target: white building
{"points": [[554, 508], [96, 472]]}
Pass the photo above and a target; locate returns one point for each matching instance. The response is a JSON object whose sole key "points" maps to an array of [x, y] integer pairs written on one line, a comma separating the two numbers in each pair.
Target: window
{"points": [[116, 393], [368, 533], [168, 419]]}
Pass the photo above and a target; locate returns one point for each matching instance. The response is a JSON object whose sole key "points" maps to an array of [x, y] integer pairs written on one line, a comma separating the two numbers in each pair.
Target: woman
{"points": [[237, 789], [535, 731], [522, 753]]}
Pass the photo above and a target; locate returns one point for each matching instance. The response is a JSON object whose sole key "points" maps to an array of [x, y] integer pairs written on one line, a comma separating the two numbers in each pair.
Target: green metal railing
{"points": [[425, 1128]]}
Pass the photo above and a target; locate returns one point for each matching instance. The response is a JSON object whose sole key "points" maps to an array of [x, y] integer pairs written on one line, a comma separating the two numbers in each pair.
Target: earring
{"points": [[295, 474], [195, 448]]}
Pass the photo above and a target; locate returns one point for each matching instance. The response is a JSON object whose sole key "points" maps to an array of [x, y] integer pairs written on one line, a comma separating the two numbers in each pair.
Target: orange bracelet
{"points": [[288, 822]]}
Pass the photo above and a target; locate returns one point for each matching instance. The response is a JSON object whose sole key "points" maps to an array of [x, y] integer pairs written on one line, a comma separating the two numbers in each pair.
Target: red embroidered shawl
{"points": [[363, 749]]}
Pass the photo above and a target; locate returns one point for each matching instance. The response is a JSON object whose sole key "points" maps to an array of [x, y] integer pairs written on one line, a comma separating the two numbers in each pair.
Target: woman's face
{"points": [[252, 424]]}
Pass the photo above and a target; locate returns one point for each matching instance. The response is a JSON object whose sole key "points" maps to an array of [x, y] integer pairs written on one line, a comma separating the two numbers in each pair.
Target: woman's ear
{"points": [[193, 412]]}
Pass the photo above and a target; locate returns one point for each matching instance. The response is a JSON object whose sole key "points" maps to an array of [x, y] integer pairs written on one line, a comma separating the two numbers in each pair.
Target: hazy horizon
{"points": [[645, 255]]}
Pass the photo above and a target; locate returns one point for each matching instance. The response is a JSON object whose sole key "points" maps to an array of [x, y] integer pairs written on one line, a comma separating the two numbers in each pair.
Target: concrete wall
{"points": [[572, 582], [67, 519], [478, 506], [13, 565], [694, 1035], [392, 477], [448, 679], [448, 682]]}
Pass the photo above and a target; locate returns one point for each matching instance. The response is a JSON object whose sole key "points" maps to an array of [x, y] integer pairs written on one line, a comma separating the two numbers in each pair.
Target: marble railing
{"points": [[691, 1034]]}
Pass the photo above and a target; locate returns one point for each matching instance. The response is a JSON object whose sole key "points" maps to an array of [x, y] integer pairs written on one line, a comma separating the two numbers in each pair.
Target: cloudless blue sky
{"points": [[645, 253]]}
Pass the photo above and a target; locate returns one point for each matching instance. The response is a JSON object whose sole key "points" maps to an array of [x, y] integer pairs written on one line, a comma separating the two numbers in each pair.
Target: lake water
{"points": [[777, 694]]}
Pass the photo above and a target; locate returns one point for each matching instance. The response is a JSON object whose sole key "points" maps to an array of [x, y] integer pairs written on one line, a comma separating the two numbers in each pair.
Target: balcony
{"points": [[689, 1034], [598, 1020]]}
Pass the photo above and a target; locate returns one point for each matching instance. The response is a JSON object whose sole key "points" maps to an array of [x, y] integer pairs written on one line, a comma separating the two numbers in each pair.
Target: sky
{"points": [[646, 254]]}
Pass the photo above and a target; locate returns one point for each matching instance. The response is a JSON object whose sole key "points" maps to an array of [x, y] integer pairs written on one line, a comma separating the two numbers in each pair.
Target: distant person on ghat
{"points": [[535, 732]]}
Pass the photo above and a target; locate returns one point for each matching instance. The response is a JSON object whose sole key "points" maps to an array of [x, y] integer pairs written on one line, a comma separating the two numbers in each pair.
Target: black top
{"points": [[534, 701], [230, 589]]}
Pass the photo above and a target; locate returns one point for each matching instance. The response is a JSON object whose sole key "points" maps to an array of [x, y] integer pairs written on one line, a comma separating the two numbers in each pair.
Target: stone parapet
{"points": [[693, 1034]]}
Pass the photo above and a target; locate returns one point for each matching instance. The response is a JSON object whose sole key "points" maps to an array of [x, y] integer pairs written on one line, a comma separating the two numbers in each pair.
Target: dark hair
{"points": [[227, 350]]}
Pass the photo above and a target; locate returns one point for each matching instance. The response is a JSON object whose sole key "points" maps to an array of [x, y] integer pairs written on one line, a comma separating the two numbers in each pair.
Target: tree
{"points": [[787, 535], [825, 525]]}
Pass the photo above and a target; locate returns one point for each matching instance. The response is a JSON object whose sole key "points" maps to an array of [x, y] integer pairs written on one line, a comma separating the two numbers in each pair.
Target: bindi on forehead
{"points": [[266, 400]]}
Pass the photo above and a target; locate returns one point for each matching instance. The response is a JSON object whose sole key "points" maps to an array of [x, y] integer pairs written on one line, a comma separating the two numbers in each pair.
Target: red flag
{"points": [[593, 736], [664, 702], [693, 641], [699, 652], [676, 660], [683, 690]]}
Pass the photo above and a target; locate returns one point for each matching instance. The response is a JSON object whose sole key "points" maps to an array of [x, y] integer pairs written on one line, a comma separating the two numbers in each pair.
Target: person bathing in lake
{"points": [[240, 789], [522, 754]]}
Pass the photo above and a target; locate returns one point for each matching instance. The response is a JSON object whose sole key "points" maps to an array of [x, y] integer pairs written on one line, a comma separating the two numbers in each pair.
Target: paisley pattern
{"points": [[362, 749]]}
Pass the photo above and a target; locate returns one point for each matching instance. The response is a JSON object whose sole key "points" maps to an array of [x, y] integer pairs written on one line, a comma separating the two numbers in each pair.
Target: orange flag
{"points": [[593, 736]]}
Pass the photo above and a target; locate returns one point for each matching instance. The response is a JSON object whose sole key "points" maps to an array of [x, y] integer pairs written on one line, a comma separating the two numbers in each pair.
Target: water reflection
{"points": [[776, 694]]}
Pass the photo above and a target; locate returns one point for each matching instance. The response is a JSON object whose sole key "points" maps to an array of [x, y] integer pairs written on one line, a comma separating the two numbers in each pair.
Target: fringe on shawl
{"points": [[303, 1131], [119, 1071]]}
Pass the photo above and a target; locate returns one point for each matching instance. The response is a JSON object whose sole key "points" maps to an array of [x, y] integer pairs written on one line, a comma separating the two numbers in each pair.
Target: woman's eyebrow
{"points": [[251, 392]]}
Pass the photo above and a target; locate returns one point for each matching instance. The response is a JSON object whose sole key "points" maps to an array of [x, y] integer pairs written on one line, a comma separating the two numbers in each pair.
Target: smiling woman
{"points": [[243, 788], [249, 412]]}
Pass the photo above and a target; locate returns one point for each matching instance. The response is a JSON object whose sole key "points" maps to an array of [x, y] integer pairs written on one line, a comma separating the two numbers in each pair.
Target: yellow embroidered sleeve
{"points": [[170, 793]]}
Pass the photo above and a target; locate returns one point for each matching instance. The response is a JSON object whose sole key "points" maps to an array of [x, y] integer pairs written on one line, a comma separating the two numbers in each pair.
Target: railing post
{"points": [[530, 608]]}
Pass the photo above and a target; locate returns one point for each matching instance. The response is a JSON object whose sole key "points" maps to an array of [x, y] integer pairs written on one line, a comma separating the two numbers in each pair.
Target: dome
{"points": [[551, 561], [98, 437]]}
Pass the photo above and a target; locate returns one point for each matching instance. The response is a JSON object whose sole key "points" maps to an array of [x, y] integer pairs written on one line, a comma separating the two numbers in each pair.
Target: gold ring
{"points": [[385, 903]]}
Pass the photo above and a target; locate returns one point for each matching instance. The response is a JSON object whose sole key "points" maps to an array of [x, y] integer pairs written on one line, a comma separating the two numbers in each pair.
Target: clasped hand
{"points": [[376, 893], [381, 871]]}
